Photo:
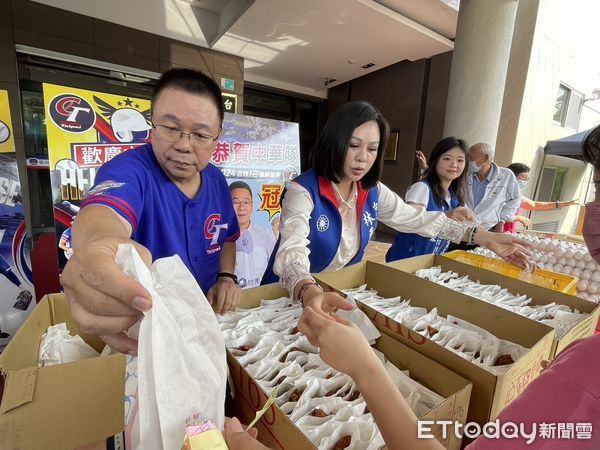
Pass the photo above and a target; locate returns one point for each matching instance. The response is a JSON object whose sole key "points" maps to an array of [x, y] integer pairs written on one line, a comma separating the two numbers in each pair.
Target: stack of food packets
{"points": [[323, 403], [467, 340], [560, 317]]}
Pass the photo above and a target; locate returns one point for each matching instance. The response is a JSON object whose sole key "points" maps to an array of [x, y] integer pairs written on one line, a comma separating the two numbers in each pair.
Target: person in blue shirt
{"points": [[441, 188], [165, 199]]}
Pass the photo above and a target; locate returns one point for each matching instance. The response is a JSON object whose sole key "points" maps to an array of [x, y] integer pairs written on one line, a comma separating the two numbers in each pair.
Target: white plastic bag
{"points": [[182, 368]]}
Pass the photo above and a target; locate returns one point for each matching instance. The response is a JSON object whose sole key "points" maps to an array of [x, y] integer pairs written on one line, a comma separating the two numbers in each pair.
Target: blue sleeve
{"points": [[120, 185]]}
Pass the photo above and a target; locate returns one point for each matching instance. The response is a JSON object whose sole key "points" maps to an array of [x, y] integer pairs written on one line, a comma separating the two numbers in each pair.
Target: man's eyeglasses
{"points": [[173, 134]]}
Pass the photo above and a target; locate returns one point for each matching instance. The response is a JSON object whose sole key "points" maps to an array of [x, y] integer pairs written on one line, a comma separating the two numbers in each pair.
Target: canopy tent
{"points": [[568, 146]]}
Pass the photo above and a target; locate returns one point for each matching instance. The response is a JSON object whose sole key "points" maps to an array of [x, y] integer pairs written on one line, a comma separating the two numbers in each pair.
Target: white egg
{"points": [[595, 277], [576, 272], [582, 285], [569, 254], [590, 266], [557, 268], [552, 260], [592, 288], [587, 257], [571, 262], [562, 261], [585, 274], [567, 270], [580, 264]]}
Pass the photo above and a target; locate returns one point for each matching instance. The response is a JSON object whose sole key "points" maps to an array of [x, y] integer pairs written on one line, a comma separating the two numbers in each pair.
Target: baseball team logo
{"points": [[212, 230], [72, 113]]}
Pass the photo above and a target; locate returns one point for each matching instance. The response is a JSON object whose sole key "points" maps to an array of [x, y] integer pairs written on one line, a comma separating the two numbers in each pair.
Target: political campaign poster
{"points": [[16, 280], [257, 156], [86, 129]]}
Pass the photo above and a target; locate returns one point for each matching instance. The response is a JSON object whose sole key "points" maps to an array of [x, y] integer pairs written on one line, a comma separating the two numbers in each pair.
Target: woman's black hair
{"points": [[329, 154], [518, 168], [432, 177]]}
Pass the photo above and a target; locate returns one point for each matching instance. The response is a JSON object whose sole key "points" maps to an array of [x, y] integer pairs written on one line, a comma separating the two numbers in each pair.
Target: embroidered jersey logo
{"points": [[322, 223], [102, 187], [72, 113], [212, 230]]}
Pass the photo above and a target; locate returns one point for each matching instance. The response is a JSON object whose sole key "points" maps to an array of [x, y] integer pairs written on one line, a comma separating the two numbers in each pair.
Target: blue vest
{"points": [[407, 245], [326, 223]]}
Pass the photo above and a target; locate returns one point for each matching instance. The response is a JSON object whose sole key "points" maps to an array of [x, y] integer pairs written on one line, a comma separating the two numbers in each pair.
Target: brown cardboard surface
{"points": [[538, 294], [278, 432], [490, 392], [63, 406]]}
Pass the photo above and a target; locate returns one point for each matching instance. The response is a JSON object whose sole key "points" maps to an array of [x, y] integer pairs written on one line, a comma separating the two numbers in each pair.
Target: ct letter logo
{"points": [[72, 113], [212, 230]]}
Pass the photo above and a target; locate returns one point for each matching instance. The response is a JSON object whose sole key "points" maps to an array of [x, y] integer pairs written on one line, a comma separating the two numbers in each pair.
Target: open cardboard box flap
{"points": [[62, 406]]}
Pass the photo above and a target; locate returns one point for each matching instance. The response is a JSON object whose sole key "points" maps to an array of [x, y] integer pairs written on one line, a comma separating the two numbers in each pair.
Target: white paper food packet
{"points": [[58, 346], [182, 367]]}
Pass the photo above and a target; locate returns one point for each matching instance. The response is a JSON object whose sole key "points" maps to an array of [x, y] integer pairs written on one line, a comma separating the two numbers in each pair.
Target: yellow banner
{"points": [[88, 128], [7, 141]]}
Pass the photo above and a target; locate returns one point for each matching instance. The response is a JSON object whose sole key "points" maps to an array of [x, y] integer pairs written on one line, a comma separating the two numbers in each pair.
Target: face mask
{"points": [[591, 229], [473, 167], [522, 184]]}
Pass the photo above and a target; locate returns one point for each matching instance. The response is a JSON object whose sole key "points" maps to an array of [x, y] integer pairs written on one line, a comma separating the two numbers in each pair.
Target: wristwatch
{"points": [[228, 275]]}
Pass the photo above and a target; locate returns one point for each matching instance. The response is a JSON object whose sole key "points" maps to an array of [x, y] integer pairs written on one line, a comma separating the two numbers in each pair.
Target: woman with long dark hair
{"points": [[329, 212], [440, 189]]}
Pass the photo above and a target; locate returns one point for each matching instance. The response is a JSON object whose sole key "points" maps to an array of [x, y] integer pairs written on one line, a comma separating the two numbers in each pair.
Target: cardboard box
{"points": [[277, 431], [491, 393], [63, 406], [539, 295]]}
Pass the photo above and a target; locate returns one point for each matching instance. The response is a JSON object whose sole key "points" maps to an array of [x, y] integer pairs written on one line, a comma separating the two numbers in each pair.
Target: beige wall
{"points": [[563, 32]]}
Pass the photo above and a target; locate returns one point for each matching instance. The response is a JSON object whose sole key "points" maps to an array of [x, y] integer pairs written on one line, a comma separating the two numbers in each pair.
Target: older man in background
{"points": [[492, 191]]}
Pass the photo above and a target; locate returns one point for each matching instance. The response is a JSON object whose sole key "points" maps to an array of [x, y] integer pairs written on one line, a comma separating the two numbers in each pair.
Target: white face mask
{"points": [[473, 167], [522, 184]]}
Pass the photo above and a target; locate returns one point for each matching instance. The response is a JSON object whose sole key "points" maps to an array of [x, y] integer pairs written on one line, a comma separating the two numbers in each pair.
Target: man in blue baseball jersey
{"points": [[166, 199]]}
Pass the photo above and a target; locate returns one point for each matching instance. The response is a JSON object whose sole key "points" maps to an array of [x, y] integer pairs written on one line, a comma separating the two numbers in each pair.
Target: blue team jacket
{"points": [[407, 245], [326, 223]]}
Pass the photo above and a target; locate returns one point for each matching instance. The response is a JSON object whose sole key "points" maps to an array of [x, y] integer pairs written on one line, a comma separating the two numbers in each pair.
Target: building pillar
{"points": [[479, 66], [516, 78]]}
